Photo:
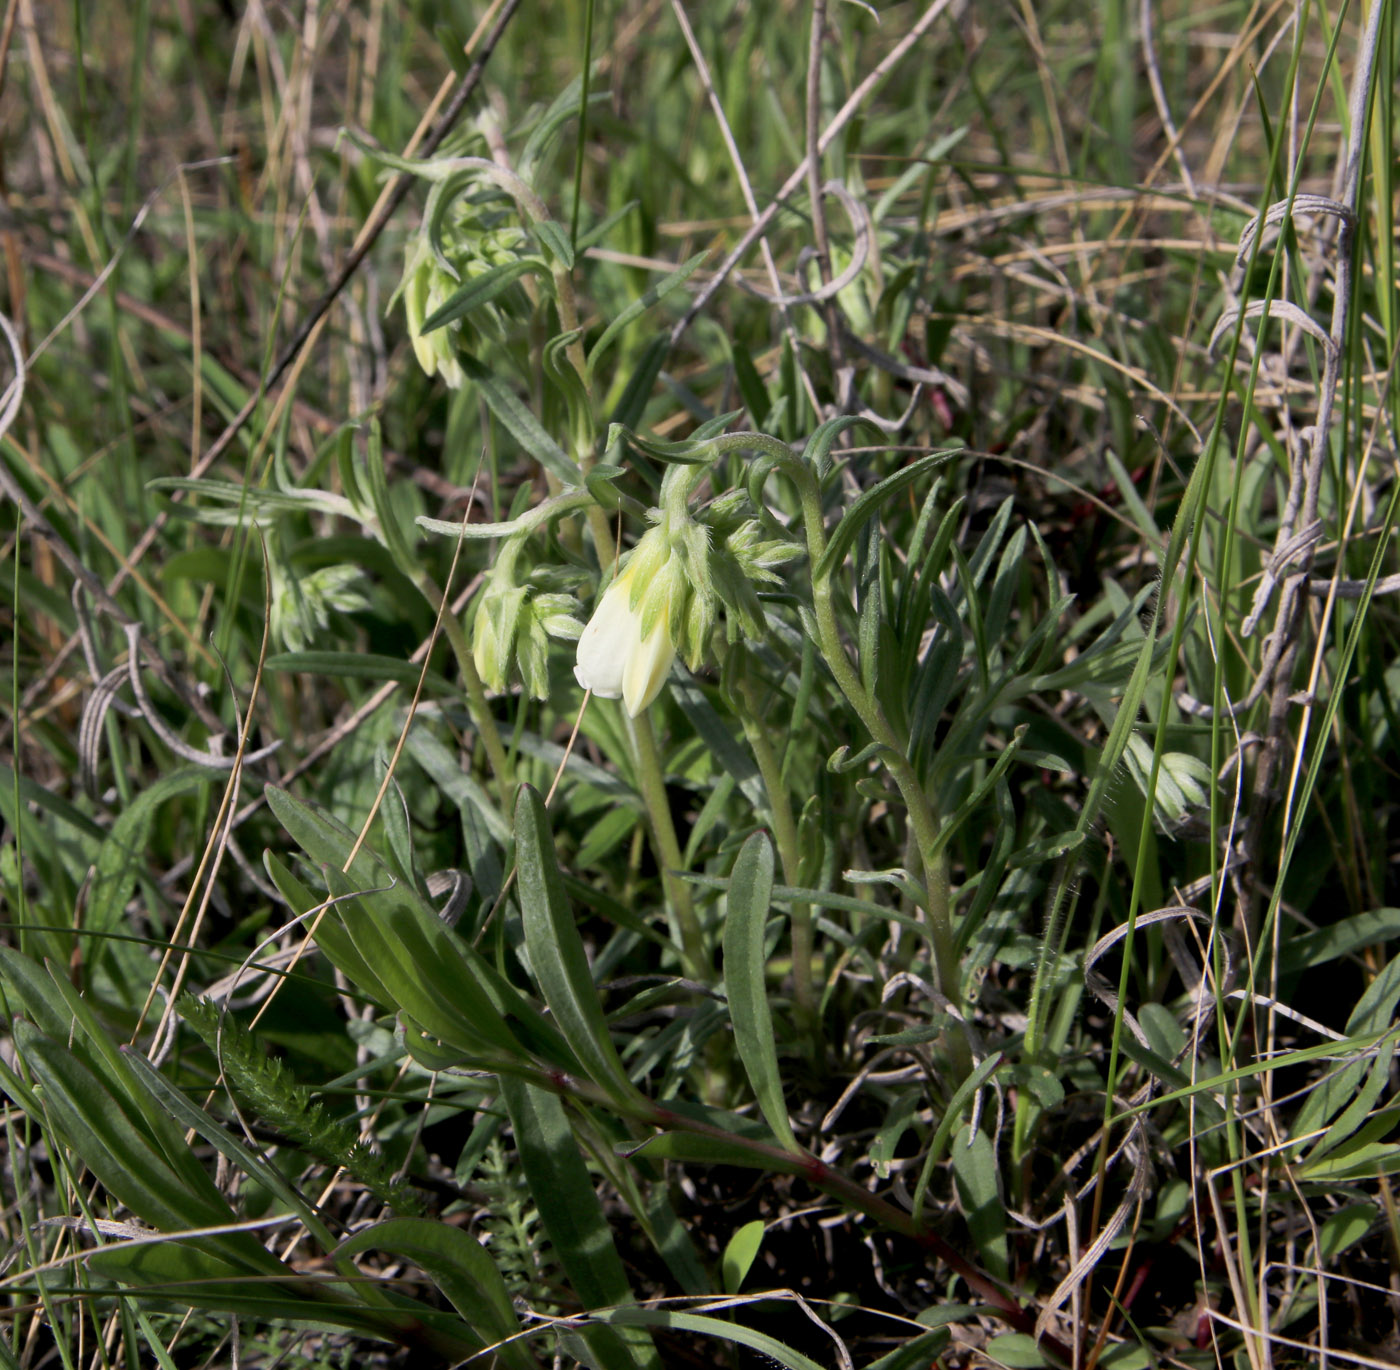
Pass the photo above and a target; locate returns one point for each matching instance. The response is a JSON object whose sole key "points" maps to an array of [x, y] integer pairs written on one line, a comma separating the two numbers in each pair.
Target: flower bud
{"points": [[426, 287]]}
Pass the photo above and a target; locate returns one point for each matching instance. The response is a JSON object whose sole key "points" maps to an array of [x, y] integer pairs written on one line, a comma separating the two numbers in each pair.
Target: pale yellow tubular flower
{"points": [[647, 668], [614, 659]]}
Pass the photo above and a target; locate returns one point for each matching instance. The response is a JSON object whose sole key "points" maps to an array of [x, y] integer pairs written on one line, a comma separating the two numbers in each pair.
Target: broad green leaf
{"points": [[1317, 946], [572, 1217], [557, 957], [745, 981], [979, 1194], [1343, 1229], [422, 975], [400, 945], [326, 840], [1016, 1350], [740, 1252], [1352, 1161], [460, 1267], [330, 936], [29, 983]]}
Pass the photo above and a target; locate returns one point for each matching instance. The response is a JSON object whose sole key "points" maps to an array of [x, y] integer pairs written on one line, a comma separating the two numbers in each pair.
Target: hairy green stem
{"points": [[923, 820], [477, 704], [789, 854], [653, 786]]}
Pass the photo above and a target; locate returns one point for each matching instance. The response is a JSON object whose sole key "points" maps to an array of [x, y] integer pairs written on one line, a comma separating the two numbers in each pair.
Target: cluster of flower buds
{"points": [[459, 248], [514, 622], [302, 604], [426, 287]]}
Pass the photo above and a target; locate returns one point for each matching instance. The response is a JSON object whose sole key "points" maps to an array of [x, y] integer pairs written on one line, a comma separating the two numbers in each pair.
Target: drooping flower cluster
{"points": [[660, 602], [426, 288], [302, 603], [441, 265], [664, 600]]}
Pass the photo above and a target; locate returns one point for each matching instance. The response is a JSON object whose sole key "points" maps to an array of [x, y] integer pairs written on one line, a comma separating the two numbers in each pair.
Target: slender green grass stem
{"points": [[653, 786]]}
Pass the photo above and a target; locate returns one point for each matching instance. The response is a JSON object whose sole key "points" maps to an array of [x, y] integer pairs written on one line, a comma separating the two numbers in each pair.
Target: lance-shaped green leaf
{"points": [[556, 950], [478, 291], [399, 951], [183, 1274], [95, 1125], [573, 1218], [520, 423], [776, 1351], [750, 896], [641, 304], [555, 241], [190, 1115], [64, 1015], [865, 508], [460, 1267], [423, 977]]}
